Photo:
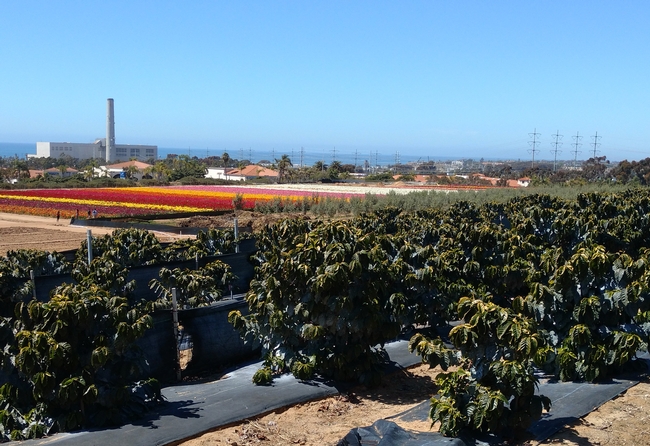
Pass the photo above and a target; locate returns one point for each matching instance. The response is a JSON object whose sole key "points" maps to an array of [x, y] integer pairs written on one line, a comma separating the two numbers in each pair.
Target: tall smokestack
{"points": [[110, 131]]}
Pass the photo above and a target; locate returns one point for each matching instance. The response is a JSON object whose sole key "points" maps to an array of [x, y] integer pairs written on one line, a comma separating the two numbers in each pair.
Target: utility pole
{"points": [[576, 146], [302, 156], [555, 151], [596, 144], [533, 144]]}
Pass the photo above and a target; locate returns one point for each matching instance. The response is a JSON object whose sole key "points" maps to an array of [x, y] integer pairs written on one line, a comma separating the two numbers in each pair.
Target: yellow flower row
{"points": [[91, 203], [212, 194]]}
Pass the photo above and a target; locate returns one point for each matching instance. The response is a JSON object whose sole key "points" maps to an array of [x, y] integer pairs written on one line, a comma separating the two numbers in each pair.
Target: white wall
{"points": [[124, 152], [219, 173]]}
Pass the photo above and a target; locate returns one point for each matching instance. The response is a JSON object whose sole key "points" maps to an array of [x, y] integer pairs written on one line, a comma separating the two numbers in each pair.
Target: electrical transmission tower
{"points": [[533, 145], [555, 150], [596, 144], [302, 156], [576, 146], [334, 154]]}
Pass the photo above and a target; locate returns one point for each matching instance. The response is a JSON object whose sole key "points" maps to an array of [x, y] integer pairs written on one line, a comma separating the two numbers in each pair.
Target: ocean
{"points": [[307, 157]]}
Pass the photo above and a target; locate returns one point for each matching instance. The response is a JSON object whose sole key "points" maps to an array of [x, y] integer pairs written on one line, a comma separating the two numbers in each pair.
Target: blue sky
{"points": [[430, 78]]}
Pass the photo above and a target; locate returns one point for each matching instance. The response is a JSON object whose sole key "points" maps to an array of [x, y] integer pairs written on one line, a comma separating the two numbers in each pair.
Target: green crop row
{"points": [[537, 280]]}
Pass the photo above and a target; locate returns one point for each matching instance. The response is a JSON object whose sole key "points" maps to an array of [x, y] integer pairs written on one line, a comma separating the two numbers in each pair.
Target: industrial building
{"points": [[104, 148]]}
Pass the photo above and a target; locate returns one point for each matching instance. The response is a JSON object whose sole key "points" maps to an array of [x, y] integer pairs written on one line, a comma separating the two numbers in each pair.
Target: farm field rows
{"points": [[124, 202]]}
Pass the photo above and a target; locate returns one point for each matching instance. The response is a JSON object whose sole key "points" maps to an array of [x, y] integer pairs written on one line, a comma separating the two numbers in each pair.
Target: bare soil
{"points": [[622, 421], [253, 220], [326, 421], [48, 234]]}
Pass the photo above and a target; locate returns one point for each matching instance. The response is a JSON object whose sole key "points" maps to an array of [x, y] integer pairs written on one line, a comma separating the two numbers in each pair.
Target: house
{"points": [[53, 172], [120, 170], [253, 171], [223, 173], [521, 182]]}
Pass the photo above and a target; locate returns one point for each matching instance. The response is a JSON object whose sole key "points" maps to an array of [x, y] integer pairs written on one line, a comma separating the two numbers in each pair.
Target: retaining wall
{"points": [[238, 262], [215, 342]]}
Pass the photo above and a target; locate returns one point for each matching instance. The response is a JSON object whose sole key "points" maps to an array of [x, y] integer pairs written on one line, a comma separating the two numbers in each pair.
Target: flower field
{"points": [[138, 201]]}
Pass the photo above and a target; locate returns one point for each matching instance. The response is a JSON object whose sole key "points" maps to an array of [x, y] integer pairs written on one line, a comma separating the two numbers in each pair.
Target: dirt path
{"points": [[622, 421], [44, 233]]}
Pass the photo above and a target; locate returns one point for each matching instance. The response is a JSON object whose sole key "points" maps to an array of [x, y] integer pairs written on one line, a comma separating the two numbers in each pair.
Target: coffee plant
{"points": [[195, 288], [323, 300], [493, 387], [78, 355]]}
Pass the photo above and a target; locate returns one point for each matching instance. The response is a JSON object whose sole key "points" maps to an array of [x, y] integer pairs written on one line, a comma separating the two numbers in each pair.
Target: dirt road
{"points": [[44, 233]]}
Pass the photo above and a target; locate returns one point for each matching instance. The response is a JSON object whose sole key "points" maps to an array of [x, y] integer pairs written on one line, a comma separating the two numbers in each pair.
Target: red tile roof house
{"points": [[253, 171], [53, 171], [521, 182]]}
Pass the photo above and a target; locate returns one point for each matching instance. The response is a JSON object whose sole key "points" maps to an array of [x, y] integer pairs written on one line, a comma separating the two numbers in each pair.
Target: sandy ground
{"points": [[622, 421], [44, 233]]}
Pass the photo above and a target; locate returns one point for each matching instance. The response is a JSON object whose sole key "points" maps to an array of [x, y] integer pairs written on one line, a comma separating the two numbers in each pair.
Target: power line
{"points": [[533, 144], [576, 145], [555, 151], [596, 144]]}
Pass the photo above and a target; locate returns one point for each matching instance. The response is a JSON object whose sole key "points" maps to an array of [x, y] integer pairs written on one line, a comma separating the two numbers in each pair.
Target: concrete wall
{"points": [[215, 342]]}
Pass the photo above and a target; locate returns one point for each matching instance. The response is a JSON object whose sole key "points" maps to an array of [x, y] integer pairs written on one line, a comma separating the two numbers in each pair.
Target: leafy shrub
{"points": [[15, 268], [78, 355], [493, 389], [300, 313], [195, 288]]}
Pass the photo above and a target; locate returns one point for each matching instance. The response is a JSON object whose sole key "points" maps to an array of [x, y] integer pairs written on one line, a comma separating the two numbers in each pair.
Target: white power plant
{"points": [[104, 148]]}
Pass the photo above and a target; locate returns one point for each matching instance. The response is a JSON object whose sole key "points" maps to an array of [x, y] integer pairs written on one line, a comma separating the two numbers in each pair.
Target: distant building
{"points": [[223, 173], [253, 171], [54, 172], [104, 148], [97, 149], [119, 170]]}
